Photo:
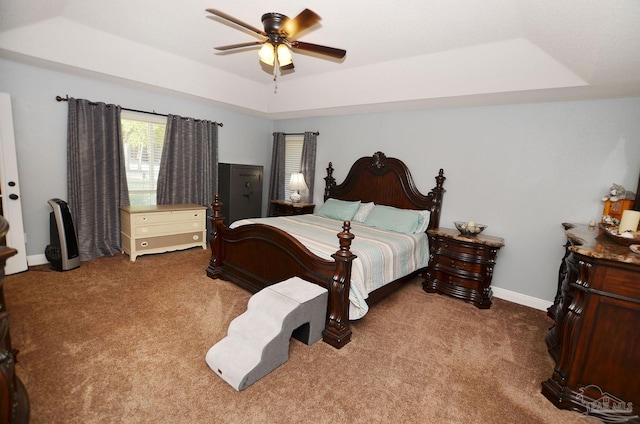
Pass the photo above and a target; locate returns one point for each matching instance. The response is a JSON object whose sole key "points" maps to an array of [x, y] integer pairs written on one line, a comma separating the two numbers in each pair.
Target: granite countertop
{"points": [[592, 242], [479, 239]]}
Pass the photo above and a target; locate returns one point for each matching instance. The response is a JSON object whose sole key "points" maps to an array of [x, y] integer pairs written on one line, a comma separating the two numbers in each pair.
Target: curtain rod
{"points": [[314, 133], [66, 99]]}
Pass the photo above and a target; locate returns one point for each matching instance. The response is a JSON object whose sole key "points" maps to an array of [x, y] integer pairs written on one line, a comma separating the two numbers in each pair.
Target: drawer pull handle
{"points": [[144, 244], [196, 237], [461, 267]]}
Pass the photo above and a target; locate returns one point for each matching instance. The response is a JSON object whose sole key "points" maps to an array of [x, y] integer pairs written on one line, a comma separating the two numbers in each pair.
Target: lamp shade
{"points": [[284, 55], [267, 54], [297, 182]]}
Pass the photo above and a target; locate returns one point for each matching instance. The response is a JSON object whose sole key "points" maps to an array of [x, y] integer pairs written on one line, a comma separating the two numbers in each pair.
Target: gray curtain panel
{"points": [[276, 182], [96, 176], [308, 164], [189, 166]]}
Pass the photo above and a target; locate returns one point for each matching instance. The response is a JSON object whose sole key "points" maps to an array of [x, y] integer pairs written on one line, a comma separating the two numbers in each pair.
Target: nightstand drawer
{"points": [[458, 281], [459, 249], [458, 266]]}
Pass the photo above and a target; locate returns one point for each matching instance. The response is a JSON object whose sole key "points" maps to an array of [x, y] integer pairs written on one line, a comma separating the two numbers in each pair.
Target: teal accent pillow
{"points": [[393, 219], [339, 209]]}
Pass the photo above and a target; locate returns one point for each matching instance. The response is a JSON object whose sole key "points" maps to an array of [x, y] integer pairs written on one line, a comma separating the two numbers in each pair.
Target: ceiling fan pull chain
{"points": [[276, 66]]}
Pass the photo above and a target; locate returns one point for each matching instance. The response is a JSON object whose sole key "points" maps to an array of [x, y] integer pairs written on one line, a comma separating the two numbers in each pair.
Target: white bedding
{"points": [[383, 256]]}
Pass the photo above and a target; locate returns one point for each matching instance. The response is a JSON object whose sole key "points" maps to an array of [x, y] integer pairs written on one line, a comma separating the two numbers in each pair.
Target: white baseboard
{"points": [[521, 299], [34, 260]]}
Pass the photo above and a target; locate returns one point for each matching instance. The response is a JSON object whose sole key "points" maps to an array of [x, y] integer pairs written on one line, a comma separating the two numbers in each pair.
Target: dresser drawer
{"points": [[160, 242], [167, 217], [622, 282], [172, 228]]}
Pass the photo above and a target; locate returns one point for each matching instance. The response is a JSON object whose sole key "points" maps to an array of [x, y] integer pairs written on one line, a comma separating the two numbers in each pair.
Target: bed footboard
{"points": [[256, 256]]}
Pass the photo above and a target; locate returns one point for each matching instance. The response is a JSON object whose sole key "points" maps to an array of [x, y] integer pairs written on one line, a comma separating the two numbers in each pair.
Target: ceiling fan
{"points": [[279, 37]]}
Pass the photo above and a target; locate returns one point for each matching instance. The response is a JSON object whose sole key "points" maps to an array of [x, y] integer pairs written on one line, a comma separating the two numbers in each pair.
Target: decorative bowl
{"points": [[627, 240], [469, 228]]}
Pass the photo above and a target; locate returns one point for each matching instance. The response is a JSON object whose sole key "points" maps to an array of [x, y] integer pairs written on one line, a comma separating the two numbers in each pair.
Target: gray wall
{"points": [[520, 169]]}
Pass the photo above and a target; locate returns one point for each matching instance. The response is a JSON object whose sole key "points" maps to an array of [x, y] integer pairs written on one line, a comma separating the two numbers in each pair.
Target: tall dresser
{"points": [[595, 339], [14, 402]]}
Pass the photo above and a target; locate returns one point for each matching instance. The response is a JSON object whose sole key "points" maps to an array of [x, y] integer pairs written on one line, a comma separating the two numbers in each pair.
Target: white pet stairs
{"points": [[257, 341]]}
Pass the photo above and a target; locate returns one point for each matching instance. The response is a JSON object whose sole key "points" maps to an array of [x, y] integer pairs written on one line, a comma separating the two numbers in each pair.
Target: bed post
{"points": [[436, 203], [337, 331], [217, 220]]}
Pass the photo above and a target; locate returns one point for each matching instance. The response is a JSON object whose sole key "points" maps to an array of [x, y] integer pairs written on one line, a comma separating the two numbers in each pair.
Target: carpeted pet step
{"points": [[257, 341]]}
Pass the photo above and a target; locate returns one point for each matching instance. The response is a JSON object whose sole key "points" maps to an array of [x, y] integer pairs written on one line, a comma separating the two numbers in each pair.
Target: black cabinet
{"points": [[240, 189]]}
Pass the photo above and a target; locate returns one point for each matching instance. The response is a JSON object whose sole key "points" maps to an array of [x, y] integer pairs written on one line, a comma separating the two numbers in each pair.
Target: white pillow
{"points": [[363, 211], [426, 217]]}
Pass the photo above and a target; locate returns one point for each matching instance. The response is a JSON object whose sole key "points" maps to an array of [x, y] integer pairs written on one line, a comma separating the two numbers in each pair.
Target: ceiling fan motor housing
{"points": [[274, 24]]}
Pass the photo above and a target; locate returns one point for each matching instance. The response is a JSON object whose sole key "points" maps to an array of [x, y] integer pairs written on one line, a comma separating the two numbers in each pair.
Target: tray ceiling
{"points": [[437, 53]]}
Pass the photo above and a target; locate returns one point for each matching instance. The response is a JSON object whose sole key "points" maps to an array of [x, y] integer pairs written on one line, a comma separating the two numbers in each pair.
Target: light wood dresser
{"points": [[162, 228]]}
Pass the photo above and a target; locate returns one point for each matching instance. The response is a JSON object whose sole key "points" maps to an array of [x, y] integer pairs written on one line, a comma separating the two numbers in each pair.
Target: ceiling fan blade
{"points": [[305, 19], [316, 48], [239, 45], [235, 21]]}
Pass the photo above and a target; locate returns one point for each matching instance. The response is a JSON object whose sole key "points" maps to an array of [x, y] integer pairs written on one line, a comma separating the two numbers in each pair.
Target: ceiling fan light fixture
{"points": [[267, 54], [284, 55]]}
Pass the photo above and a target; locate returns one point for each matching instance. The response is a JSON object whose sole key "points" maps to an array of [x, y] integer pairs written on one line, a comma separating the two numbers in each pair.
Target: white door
{"points": [[10, 188]]}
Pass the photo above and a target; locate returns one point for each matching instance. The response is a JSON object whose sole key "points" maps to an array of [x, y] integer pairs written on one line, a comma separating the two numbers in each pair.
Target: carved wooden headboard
{"points": [[385, 181]]}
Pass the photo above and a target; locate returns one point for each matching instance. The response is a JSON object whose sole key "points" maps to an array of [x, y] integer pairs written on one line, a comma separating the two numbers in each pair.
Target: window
{"points": [[293, 159], [143, 138]]}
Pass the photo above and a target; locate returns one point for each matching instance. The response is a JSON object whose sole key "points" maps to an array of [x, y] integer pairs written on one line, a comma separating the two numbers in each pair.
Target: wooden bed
{"points": [[257, 255]]}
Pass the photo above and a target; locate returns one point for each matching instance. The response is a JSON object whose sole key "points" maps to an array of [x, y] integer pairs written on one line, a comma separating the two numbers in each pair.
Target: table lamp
{"points": [[296, 184]]}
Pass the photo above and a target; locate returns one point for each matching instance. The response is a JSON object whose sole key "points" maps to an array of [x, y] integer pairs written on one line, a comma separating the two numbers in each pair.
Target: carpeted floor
{"points": [[121, 342]]}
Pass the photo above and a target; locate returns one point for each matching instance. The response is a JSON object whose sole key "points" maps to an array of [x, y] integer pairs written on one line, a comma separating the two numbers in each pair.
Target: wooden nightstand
{"points": [[461, 267], [283, 208]]}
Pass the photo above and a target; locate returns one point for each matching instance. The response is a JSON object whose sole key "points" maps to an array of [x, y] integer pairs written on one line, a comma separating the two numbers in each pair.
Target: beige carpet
{"points": [[121, 342]]}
